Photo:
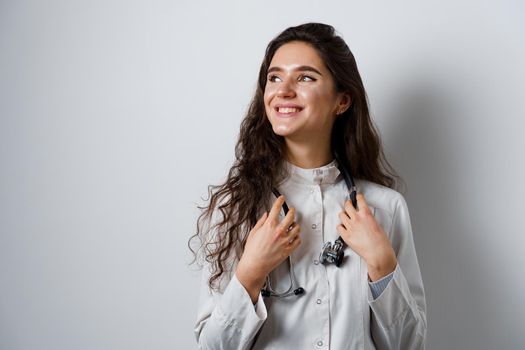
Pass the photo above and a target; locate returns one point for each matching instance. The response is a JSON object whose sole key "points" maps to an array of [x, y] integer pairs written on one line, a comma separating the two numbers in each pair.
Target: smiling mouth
{"points": [[287, 110]]}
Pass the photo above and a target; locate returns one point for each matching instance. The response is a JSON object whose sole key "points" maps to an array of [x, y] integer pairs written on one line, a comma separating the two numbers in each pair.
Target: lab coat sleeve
{"points": [[227, 319], [398, 315], [379, 286]]}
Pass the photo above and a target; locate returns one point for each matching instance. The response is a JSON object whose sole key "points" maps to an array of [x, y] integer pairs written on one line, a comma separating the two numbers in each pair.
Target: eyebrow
{"points": [[300, 68]]}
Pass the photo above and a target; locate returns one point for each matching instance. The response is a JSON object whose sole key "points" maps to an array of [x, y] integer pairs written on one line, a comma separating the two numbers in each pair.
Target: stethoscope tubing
{"points": [[339, 243]]}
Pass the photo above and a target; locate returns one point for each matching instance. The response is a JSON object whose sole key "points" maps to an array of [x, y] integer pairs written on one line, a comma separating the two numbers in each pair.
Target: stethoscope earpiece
{"points": [[299, 291]]}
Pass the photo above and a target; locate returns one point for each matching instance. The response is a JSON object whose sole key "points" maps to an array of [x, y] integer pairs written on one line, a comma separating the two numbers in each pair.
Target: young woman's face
{"points": [[300, 97]]}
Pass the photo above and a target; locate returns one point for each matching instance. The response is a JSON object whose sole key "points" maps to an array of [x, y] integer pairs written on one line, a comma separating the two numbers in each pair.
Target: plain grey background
{"points": [[116, 115]]}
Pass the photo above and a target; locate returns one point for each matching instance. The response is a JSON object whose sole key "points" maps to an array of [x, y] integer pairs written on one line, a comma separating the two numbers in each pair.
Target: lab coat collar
{"points": [[327, 174]]}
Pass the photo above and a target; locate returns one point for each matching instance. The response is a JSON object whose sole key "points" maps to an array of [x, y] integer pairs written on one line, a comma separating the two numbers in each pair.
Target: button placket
{"points": [[318, 200], [322, 301]]}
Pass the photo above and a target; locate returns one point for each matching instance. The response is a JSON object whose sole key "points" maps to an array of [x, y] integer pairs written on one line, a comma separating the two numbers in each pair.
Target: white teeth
{"points": [[288, 110]]}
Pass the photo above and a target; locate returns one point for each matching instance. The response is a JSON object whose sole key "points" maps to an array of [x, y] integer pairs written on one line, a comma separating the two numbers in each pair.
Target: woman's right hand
{"points": [[268, 244]]}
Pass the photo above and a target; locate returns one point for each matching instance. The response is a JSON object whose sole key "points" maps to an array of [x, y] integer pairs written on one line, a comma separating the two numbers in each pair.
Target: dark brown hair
{"points": [[259, 151]]}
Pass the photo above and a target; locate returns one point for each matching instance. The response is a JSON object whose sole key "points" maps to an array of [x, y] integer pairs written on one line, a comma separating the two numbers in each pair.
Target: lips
{"points": [[287, 110]]}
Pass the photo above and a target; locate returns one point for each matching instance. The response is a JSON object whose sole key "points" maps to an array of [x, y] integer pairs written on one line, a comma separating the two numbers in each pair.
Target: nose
{"points": [[286, 88]]}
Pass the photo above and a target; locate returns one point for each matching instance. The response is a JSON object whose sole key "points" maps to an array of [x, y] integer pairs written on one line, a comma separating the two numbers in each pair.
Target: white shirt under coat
{"points": [[337, 310]]}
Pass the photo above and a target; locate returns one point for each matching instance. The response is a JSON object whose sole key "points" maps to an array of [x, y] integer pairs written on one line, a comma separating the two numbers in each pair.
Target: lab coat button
{"points": [[316, 262], [314, 226], [318, 301], [320, 343]]}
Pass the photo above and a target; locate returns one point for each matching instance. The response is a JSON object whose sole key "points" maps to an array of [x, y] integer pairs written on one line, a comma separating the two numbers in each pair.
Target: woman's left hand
{"points": [[366, 237]]}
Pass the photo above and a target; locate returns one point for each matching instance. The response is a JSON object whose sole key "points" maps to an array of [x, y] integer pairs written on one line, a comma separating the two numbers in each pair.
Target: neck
{"points": [[307, 155]]}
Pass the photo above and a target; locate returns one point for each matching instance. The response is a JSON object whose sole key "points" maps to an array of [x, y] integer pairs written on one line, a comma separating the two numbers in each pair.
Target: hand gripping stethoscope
{"points": [[332, 253]]}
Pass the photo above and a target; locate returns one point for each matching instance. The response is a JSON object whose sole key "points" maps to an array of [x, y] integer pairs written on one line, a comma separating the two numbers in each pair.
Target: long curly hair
{"points": [[259, 152]]}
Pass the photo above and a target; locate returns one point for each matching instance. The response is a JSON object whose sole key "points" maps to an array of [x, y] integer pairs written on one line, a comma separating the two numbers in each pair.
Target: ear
{"points": [[345, 101]]}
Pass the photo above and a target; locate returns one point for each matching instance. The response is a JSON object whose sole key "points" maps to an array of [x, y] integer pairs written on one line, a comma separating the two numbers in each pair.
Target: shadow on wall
{"points": [[424, 146]]}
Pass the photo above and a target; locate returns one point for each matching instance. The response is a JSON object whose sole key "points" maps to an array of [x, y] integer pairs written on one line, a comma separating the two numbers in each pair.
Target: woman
{"points": [[310, 105]]}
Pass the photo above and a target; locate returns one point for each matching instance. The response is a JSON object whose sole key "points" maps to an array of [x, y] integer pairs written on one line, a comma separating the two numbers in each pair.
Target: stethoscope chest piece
{"points": [[332, 253]]}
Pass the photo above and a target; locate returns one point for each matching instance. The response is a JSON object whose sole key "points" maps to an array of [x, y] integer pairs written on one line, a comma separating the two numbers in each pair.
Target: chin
{"points": [[282, 130]]}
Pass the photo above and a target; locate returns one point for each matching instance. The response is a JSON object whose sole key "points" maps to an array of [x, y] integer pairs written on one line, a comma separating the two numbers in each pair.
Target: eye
{"points": [[273, 78], [306, 78]]}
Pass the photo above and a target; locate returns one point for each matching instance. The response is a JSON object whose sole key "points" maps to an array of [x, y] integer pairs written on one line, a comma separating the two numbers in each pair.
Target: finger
{"points": [[288, 220], [349, 209], [341, 230], [361, 203], [295, 243], [293, 233], [260, 222], [345, 220], [290, 244], [289, 238], [276, 208], [285, 225]]}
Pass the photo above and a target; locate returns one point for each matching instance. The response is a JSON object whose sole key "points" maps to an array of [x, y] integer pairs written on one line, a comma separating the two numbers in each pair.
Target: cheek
{"points": [[268, 95], [315, 98], [267, 98], [321, 100]]}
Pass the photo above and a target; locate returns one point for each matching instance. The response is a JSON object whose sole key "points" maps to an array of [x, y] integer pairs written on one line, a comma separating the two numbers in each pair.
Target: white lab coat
{"points": [[338, 310]]}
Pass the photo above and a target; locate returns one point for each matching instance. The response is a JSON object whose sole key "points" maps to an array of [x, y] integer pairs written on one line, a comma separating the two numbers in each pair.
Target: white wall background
{"points": [[116, 115]]}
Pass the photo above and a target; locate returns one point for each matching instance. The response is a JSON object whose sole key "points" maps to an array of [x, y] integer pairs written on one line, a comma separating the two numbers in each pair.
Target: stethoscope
{"points": [[332, 253]]}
